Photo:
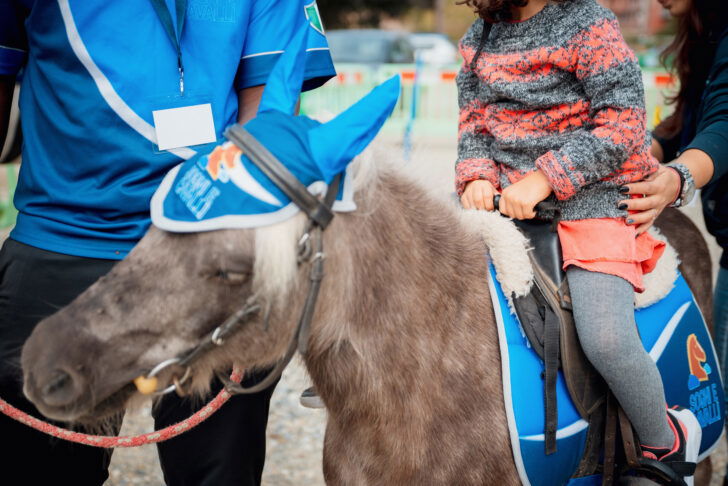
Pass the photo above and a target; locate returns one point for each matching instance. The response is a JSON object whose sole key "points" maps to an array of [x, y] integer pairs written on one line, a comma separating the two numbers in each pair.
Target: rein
{"points": [[110, 441], [310, 250]]}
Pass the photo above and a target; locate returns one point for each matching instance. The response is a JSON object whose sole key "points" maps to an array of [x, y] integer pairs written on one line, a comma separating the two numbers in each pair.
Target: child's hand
{"points": [[519, 200], [478, 195]]}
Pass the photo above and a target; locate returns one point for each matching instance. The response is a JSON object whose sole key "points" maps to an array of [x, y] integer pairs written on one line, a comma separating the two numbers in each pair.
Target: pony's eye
{"points": [[232, 277]]}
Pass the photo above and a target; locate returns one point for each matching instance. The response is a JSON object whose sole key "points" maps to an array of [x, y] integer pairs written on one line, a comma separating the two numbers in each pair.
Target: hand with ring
{"points": [[658, 191]]}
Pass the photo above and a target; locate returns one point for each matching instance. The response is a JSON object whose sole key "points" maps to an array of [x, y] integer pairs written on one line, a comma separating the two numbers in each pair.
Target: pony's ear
{"points": [[336, 143], [284, 82]]}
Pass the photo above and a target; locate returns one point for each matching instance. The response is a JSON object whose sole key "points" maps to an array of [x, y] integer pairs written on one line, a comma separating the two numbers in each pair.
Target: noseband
{"points": [[310, 250]]}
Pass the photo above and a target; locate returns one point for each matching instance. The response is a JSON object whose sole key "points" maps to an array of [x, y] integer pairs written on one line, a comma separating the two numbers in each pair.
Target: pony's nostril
{"points": [[59, 389], [59, 380]]}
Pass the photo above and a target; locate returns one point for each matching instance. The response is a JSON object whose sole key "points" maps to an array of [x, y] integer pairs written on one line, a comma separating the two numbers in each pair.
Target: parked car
{"points": [[370, 46], [434, 48]]}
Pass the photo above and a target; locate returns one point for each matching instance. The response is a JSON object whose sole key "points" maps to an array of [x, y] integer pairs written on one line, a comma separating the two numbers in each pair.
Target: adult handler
{"points": [[113, 95]]}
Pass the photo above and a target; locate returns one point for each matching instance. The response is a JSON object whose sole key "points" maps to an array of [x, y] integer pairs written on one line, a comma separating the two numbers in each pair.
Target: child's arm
{"points": [[612, 82], [474, 161]]}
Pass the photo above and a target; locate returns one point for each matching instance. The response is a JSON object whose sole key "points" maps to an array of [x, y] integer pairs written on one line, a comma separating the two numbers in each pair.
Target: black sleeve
{"points": [[670, 146], [13, 41]]}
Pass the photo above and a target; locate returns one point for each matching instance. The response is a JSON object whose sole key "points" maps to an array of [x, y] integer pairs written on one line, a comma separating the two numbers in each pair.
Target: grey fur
{"points": [[403, 349]]}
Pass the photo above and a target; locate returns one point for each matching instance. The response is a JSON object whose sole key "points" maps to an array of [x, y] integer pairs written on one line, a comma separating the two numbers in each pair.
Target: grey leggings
{"points": [[604, 315]]}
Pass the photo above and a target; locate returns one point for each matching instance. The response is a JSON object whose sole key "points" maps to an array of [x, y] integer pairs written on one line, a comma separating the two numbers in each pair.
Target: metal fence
{"points": [[435, 111]]}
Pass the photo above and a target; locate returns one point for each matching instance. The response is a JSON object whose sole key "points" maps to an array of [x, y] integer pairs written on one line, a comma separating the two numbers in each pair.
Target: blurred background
{"points": [[371, 40]]}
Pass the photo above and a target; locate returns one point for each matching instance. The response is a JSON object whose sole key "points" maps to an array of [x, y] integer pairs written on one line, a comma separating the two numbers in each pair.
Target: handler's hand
{"points": [[660, 190], [519, 200], [478, 195]]}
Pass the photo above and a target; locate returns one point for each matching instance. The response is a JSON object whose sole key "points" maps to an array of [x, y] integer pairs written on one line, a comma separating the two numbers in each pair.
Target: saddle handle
{"points": [[540, 207]]}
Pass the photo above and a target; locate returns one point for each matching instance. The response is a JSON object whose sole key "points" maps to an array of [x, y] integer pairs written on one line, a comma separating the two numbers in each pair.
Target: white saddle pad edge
{"points": [[508, 249]]}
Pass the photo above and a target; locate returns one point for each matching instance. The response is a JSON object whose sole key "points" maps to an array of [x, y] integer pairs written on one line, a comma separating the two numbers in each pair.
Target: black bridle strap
{"points": [[320, 215], [300, 335], [316, 210]]}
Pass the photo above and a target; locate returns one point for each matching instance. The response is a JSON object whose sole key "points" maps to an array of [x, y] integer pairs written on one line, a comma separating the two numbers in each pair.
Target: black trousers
{"points": [[227, 449]]}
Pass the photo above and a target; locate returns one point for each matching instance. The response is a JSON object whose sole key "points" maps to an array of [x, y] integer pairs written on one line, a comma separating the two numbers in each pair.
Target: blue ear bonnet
{"points": [[224, 189]]}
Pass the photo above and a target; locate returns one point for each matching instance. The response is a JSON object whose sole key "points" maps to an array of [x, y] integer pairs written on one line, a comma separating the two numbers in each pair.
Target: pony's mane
{"points": [[275, 266]]}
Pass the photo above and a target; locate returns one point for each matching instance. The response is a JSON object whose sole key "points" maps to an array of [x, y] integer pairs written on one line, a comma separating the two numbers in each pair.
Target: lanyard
{"points": [[175, 37]]}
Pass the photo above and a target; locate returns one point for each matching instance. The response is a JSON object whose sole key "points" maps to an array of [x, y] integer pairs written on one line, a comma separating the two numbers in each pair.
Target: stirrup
{"points": [[663, 473]]}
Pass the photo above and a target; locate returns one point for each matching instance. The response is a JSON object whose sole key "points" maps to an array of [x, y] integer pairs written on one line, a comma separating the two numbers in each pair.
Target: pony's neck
{"points": [[403, 280]]}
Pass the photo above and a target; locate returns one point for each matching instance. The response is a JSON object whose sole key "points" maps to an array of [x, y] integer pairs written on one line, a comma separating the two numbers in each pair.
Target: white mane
{"points": [[276, 246]]}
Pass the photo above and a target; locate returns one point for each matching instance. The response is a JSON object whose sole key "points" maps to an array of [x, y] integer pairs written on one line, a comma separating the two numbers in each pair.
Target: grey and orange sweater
{"points": [[561, 92]]}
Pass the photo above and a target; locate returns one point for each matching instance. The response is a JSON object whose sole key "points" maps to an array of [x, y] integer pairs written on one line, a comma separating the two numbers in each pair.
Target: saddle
{"points": [[546, 318]]}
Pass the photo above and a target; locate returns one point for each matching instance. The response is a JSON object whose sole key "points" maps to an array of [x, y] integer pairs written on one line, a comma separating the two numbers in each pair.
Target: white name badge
{"points": [[184, 127]]}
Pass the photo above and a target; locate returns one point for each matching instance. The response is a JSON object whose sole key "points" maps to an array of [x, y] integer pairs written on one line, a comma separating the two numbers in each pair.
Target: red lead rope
{"points": [[106, 441]]}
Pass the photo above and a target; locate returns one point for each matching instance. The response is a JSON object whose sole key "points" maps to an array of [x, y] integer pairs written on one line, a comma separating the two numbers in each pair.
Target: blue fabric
{"points": [[711, 124], [13, 41], [270, 32], [225, 189], [677, 337], [90, 166]]}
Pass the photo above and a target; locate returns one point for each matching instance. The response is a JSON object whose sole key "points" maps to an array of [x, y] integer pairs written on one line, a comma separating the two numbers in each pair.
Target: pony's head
{"points": [[222, 233]]}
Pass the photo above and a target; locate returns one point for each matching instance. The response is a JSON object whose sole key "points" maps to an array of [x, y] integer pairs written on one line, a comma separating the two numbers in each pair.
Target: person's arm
{"points": [[612, 83], [663, 187], [476, 173], [248, 101], [272, 25], [657, 151], [706, 156], [7, 86], [13, 54]]}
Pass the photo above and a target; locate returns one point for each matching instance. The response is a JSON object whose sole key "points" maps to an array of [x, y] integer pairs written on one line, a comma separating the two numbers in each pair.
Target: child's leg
{"points": [[604, 315]]}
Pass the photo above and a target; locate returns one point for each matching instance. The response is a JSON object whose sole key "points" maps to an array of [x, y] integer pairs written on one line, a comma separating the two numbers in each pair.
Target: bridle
{"points": [[310, 250]]}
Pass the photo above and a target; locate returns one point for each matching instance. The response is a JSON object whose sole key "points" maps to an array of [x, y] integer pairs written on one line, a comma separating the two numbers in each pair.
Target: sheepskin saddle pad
{"points": [[509, 247]]}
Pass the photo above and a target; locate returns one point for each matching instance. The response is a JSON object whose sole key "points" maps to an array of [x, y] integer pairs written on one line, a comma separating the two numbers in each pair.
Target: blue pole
{"points": [[407, 142]]}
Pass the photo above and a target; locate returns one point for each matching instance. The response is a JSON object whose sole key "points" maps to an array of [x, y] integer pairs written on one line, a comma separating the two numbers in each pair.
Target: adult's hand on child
{"points": [[478, 194], [659, 189], [519, 200]]}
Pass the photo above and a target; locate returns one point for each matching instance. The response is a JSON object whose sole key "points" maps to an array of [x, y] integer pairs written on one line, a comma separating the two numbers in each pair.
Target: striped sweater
{"points": [[561, 92]]}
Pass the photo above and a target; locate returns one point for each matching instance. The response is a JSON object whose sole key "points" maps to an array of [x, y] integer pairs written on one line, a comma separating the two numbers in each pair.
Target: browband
{"points": [[318, 211]]}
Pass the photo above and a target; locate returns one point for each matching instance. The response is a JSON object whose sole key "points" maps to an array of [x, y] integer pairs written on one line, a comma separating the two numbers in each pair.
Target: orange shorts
{"points": [[611, 246]]}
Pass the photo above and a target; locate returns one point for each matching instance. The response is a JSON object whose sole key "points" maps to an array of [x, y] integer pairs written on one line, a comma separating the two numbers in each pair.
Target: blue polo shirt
{"points": [[93, 72]]}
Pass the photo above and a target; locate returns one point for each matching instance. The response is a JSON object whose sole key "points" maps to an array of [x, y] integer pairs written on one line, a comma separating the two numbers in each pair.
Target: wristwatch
{"points": [[687, 185]]}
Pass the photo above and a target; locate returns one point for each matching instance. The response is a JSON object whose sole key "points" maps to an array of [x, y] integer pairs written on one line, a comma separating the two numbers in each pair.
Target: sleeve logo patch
{"points": [[314, 18]]}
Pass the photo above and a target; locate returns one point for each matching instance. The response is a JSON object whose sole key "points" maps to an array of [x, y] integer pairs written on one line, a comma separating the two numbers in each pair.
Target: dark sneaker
{"points": [[683, 456], [310, 399]]}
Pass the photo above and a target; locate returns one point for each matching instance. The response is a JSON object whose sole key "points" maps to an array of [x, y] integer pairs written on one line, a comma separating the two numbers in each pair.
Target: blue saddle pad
{"points": [[673, 331]]}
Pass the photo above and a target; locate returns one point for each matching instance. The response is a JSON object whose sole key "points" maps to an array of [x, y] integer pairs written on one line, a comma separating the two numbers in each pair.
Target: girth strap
{"points": [[632, 450], [610, 441], [551, 348]]}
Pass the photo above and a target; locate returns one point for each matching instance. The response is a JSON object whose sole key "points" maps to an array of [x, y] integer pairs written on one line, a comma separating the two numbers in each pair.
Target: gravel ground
{"points": [[295, 434], [295, 439]]}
